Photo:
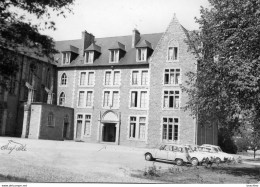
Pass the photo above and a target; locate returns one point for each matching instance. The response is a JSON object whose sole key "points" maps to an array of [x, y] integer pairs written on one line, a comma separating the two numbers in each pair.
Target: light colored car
{"points": [[201, 156], [177, 153], [227, 157]]}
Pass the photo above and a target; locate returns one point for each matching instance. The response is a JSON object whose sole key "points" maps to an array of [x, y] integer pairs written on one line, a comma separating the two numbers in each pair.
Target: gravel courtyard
{"points": [[69, 161]]}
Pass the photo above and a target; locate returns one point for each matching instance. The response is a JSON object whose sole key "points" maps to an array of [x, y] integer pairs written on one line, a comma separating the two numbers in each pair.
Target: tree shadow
{"points": [[240, 171]]}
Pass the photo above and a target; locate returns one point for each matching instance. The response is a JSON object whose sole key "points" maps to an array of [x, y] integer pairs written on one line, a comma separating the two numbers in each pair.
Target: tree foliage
{"points": [[226, 86], [17, 34]]}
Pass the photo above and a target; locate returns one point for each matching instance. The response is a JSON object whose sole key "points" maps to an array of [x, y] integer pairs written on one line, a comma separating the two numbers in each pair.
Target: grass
{"points": [[235, 173]]}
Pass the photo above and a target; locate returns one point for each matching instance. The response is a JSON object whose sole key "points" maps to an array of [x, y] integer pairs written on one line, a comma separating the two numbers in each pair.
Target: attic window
{"points": [[89, 57], [172, 53], [66, 56], [141, 54], [114, 56]]}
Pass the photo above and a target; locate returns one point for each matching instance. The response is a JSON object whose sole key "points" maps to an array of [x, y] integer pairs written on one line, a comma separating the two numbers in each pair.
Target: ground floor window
{"points": [[170, 131], [137, 127], [83, 123]]}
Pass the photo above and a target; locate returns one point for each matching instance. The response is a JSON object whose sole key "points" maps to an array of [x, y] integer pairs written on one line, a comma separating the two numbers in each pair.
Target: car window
{"points": [[162, 147], [168, 148], [174, 148], [215, 149]]}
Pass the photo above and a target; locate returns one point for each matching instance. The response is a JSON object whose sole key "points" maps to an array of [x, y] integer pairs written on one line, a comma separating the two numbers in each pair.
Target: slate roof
{"points": [[144, 43], [106, 44], [72, 49], [94, 47]]}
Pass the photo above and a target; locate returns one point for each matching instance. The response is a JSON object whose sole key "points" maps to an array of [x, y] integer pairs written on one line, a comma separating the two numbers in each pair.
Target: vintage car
{"points": [[202, 156], [227, 157], [177, 153], [205, 151]]}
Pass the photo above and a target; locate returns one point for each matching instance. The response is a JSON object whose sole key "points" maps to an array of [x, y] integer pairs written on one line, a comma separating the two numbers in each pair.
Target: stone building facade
{"points": [[127, 90], [122, 90]]}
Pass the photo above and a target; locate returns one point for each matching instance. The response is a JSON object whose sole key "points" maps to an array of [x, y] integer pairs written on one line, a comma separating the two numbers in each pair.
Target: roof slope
{"points": [[106, 44]]}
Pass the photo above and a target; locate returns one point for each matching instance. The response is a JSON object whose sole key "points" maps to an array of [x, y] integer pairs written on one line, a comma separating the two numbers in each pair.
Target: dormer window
{"points": [[89, 57], [66, 56], [172, 53], [114, 56], [141, 54]]}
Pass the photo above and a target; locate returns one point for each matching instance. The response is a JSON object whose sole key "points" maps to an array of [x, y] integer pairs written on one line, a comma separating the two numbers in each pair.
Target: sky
{"points": [[107, 18]]}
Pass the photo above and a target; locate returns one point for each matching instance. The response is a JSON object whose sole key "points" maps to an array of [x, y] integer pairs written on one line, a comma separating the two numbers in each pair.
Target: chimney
{"points": [[87, 40], [135, 37]]}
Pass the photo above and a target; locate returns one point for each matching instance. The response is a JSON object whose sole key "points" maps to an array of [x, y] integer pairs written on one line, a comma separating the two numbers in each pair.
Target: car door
{"points": [[162, 153], [171, 153]]}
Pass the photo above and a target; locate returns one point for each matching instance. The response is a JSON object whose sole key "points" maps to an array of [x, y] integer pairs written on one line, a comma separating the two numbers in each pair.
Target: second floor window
{"points": [[114, 56], [89, 57], [85, 98], [141, 54], [111, 99], [172, 76], [139, 99], [140, 77], [112, 78], [64, 79], [87, 79], [171, 99]]}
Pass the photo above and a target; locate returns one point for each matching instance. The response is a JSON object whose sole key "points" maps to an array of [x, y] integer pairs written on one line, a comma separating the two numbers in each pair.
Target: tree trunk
{"points": [[254, 153]]}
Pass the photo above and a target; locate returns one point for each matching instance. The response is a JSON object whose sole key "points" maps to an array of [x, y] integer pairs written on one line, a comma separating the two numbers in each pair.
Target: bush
{"points": [[226, 142]]}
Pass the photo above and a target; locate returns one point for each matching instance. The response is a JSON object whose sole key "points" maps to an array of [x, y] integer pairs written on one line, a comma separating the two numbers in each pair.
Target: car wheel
{"points": [[179, 162], [148, 157], [217, 161], [194, 161]]}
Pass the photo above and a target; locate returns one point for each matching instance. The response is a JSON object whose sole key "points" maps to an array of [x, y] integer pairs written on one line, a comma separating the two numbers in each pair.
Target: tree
{"points": [[248, 139], [17, 34], [226, 86]]}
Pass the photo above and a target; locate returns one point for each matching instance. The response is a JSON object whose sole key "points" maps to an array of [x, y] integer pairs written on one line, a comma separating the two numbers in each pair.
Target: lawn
{"points": [[235, 173]]}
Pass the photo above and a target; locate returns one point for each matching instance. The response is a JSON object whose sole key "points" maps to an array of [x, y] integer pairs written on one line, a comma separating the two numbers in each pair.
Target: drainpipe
{"points": [[19, 94], [119, 127]]}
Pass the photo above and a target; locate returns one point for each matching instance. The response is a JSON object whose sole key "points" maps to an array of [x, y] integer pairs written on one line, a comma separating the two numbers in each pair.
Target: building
{"points": [[127, 90], [33, 82], [123, 90]]}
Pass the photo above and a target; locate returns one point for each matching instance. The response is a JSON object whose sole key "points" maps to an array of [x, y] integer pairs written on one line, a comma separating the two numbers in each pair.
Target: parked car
{"points": [[196, 151], [220, 157], [228, 157], [177, 153], [197, 158]]}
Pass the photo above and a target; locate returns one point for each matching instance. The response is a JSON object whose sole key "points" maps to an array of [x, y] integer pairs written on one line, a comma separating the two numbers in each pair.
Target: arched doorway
{"points": [[109, 127]]}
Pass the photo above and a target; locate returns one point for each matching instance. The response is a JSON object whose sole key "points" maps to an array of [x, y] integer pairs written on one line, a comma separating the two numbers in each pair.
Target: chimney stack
{"points": [[87, 40], [135, 37]]}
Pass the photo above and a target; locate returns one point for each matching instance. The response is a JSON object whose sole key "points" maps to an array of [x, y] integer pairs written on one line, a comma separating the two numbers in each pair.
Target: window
{"points": [[172, 53], [87, 125], [85, 98], [111, 99], [137, 127], [66, 57], [64, 79], [114, 56], [139, 99], [87, 78], [172, 76], [89, 99], [171, 99], [81, 99], [62, 99], [140, 77], [89, 57], [170, 129], [141, 54], [112, 78], [50, 119]]}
